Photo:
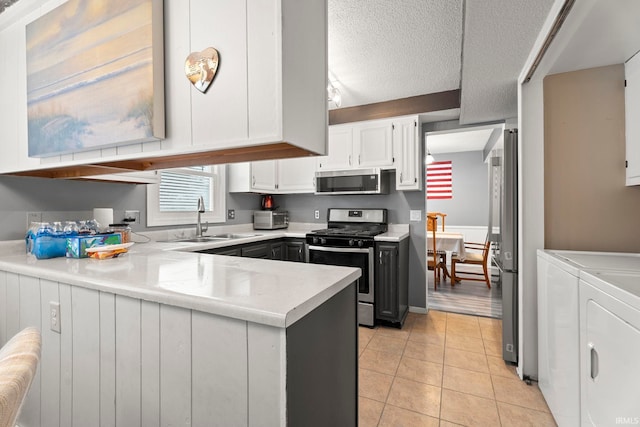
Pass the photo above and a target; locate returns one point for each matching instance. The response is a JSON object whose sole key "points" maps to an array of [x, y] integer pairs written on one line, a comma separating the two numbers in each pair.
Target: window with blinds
{"points": [[180, 190], [174, 200]]}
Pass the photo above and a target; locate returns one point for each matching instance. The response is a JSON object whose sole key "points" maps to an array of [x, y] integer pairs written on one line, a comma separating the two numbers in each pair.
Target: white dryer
{"points": [[609, 348], [559, 324]]}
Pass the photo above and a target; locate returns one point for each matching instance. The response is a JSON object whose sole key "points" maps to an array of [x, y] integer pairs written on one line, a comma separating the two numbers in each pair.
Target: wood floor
{"points": [[466, 297]]}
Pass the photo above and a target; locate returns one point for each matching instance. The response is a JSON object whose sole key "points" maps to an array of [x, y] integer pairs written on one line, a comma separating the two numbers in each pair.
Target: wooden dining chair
{"points": [[19, 359], [438, 214], [475, 254], [434, 259]]}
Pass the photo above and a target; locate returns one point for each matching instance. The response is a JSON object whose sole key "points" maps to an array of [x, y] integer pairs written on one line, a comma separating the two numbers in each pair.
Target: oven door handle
{"points": [[333, 249]]}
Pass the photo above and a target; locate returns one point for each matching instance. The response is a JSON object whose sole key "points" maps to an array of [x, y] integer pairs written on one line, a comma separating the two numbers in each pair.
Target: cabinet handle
{"points": [[400, 176], [349, 160], [358, 159], [314, 182], [415, 179], [380, 256], [594, 361], [253, 181]]}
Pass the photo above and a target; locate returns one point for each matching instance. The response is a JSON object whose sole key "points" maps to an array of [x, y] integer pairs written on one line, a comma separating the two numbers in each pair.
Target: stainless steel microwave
{"points": [[353, 181]]}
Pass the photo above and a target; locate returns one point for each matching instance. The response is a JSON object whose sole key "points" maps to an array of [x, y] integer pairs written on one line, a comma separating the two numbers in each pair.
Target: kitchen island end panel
{"points": [[122, 358]]}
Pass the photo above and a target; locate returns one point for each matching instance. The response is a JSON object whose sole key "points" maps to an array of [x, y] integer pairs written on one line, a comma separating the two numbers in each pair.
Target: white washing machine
{"points": [[559, 324], [610, 348]]}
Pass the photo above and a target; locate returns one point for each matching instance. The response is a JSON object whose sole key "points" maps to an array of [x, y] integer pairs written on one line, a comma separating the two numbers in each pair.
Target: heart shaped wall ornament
{"points": [[201, 67]]}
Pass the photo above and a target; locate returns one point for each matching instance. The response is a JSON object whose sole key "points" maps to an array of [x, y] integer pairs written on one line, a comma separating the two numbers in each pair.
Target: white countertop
{"points": [[256, 290]]}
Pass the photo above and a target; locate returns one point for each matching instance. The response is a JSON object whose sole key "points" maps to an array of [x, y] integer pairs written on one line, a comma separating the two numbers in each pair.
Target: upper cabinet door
{"points": [[220, 114], [632, 123], [297, 175], [406, 143], [340, 149], [373, 146], [263, 175]]}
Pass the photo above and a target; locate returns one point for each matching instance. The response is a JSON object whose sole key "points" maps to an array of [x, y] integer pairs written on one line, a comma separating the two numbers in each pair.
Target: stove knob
{"points": [[323, 241], [352, 242], [315, 240], [360, 243]]}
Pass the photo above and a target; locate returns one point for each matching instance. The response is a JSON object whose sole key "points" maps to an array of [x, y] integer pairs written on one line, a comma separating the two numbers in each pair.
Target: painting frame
{"points": [[95, 76]]}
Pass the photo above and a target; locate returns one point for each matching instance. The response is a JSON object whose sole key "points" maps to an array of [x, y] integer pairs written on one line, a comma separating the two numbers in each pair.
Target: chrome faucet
{"points": [[199, 228]]}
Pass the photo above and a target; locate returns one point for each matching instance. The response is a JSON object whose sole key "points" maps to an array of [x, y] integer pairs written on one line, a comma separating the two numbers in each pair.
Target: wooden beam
{"points": [[397, 107], [281, 150]]}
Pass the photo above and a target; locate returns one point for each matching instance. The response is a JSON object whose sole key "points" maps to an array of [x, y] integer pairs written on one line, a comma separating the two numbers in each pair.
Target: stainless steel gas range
{"points": [[349, 241]]}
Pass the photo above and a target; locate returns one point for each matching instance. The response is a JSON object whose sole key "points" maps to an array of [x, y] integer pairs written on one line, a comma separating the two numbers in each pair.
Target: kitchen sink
{"points": [[215, 237], [201, 239], [231, 236]]}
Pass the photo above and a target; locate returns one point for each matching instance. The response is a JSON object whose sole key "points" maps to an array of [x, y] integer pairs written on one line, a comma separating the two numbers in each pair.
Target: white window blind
{"points": [[174, 200], [179, 191]]}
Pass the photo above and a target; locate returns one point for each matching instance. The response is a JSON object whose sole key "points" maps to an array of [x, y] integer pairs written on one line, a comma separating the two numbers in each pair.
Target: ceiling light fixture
{"points": [[333, 94], [429, 158]]}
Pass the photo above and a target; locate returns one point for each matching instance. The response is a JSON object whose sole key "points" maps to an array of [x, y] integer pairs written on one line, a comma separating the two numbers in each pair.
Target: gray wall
{"points": [[470, 181], [71, 200]]}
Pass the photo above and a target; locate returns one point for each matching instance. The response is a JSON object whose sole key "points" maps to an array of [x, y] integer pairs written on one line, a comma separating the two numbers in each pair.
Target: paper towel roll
{"points": [[104, 216]]}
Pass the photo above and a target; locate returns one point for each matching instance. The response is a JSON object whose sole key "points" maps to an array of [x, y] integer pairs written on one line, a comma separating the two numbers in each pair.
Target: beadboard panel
{"points": [[150, 363], [30, 316], [107, 360], [50, 361], [85, 353], [175, 366], [123, 361], [219, 372], [267, 385], [127, 366]]}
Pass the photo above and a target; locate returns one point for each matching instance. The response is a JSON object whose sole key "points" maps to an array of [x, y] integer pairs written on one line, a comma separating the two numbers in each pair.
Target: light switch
{"points": [[415, 215]]}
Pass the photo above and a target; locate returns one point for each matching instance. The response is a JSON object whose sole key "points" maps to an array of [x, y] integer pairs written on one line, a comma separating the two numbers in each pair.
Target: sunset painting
{"points": [[92, 67]]}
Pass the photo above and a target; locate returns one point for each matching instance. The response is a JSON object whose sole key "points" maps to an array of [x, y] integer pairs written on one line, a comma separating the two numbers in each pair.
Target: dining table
{"points": [[448, 244]]}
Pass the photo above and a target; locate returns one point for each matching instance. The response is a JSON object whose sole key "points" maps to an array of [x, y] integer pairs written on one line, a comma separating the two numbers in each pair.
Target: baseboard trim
{"points": [[419, 310]]}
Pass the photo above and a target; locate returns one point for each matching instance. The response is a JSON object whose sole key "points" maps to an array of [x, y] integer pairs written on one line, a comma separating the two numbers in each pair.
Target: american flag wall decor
{"points": [[439, 181]]}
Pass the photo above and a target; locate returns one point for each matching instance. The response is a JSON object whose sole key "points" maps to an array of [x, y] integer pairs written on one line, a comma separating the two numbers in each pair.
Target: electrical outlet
{"points": [[415, 215], [132, 217], [231, 214], [316, 214], [54, 319], [33, 217]]}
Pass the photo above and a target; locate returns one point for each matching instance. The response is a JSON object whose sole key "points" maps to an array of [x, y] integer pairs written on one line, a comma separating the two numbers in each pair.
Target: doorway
{"points": [[457, 186]]}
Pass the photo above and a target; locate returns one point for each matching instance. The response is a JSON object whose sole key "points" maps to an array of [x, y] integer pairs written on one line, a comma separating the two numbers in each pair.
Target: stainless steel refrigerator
{"points": [[503, 232]]}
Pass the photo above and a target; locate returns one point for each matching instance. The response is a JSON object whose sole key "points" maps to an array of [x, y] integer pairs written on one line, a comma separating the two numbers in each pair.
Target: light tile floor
{"points": [[443, 369]]}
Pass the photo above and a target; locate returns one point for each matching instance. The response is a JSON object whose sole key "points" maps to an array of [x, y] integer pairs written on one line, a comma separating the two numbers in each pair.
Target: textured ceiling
{"points": [[498, 37], [381, 50]]}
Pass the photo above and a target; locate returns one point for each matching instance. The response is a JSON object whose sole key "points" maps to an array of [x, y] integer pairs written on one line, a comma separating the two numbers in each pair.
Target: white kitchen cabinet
{"points": [[252, 101], [273, 176], [297, 175], [408, 161], [359, 145], [632, 119], [339, 148], [373, 144], [609, 348]]}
